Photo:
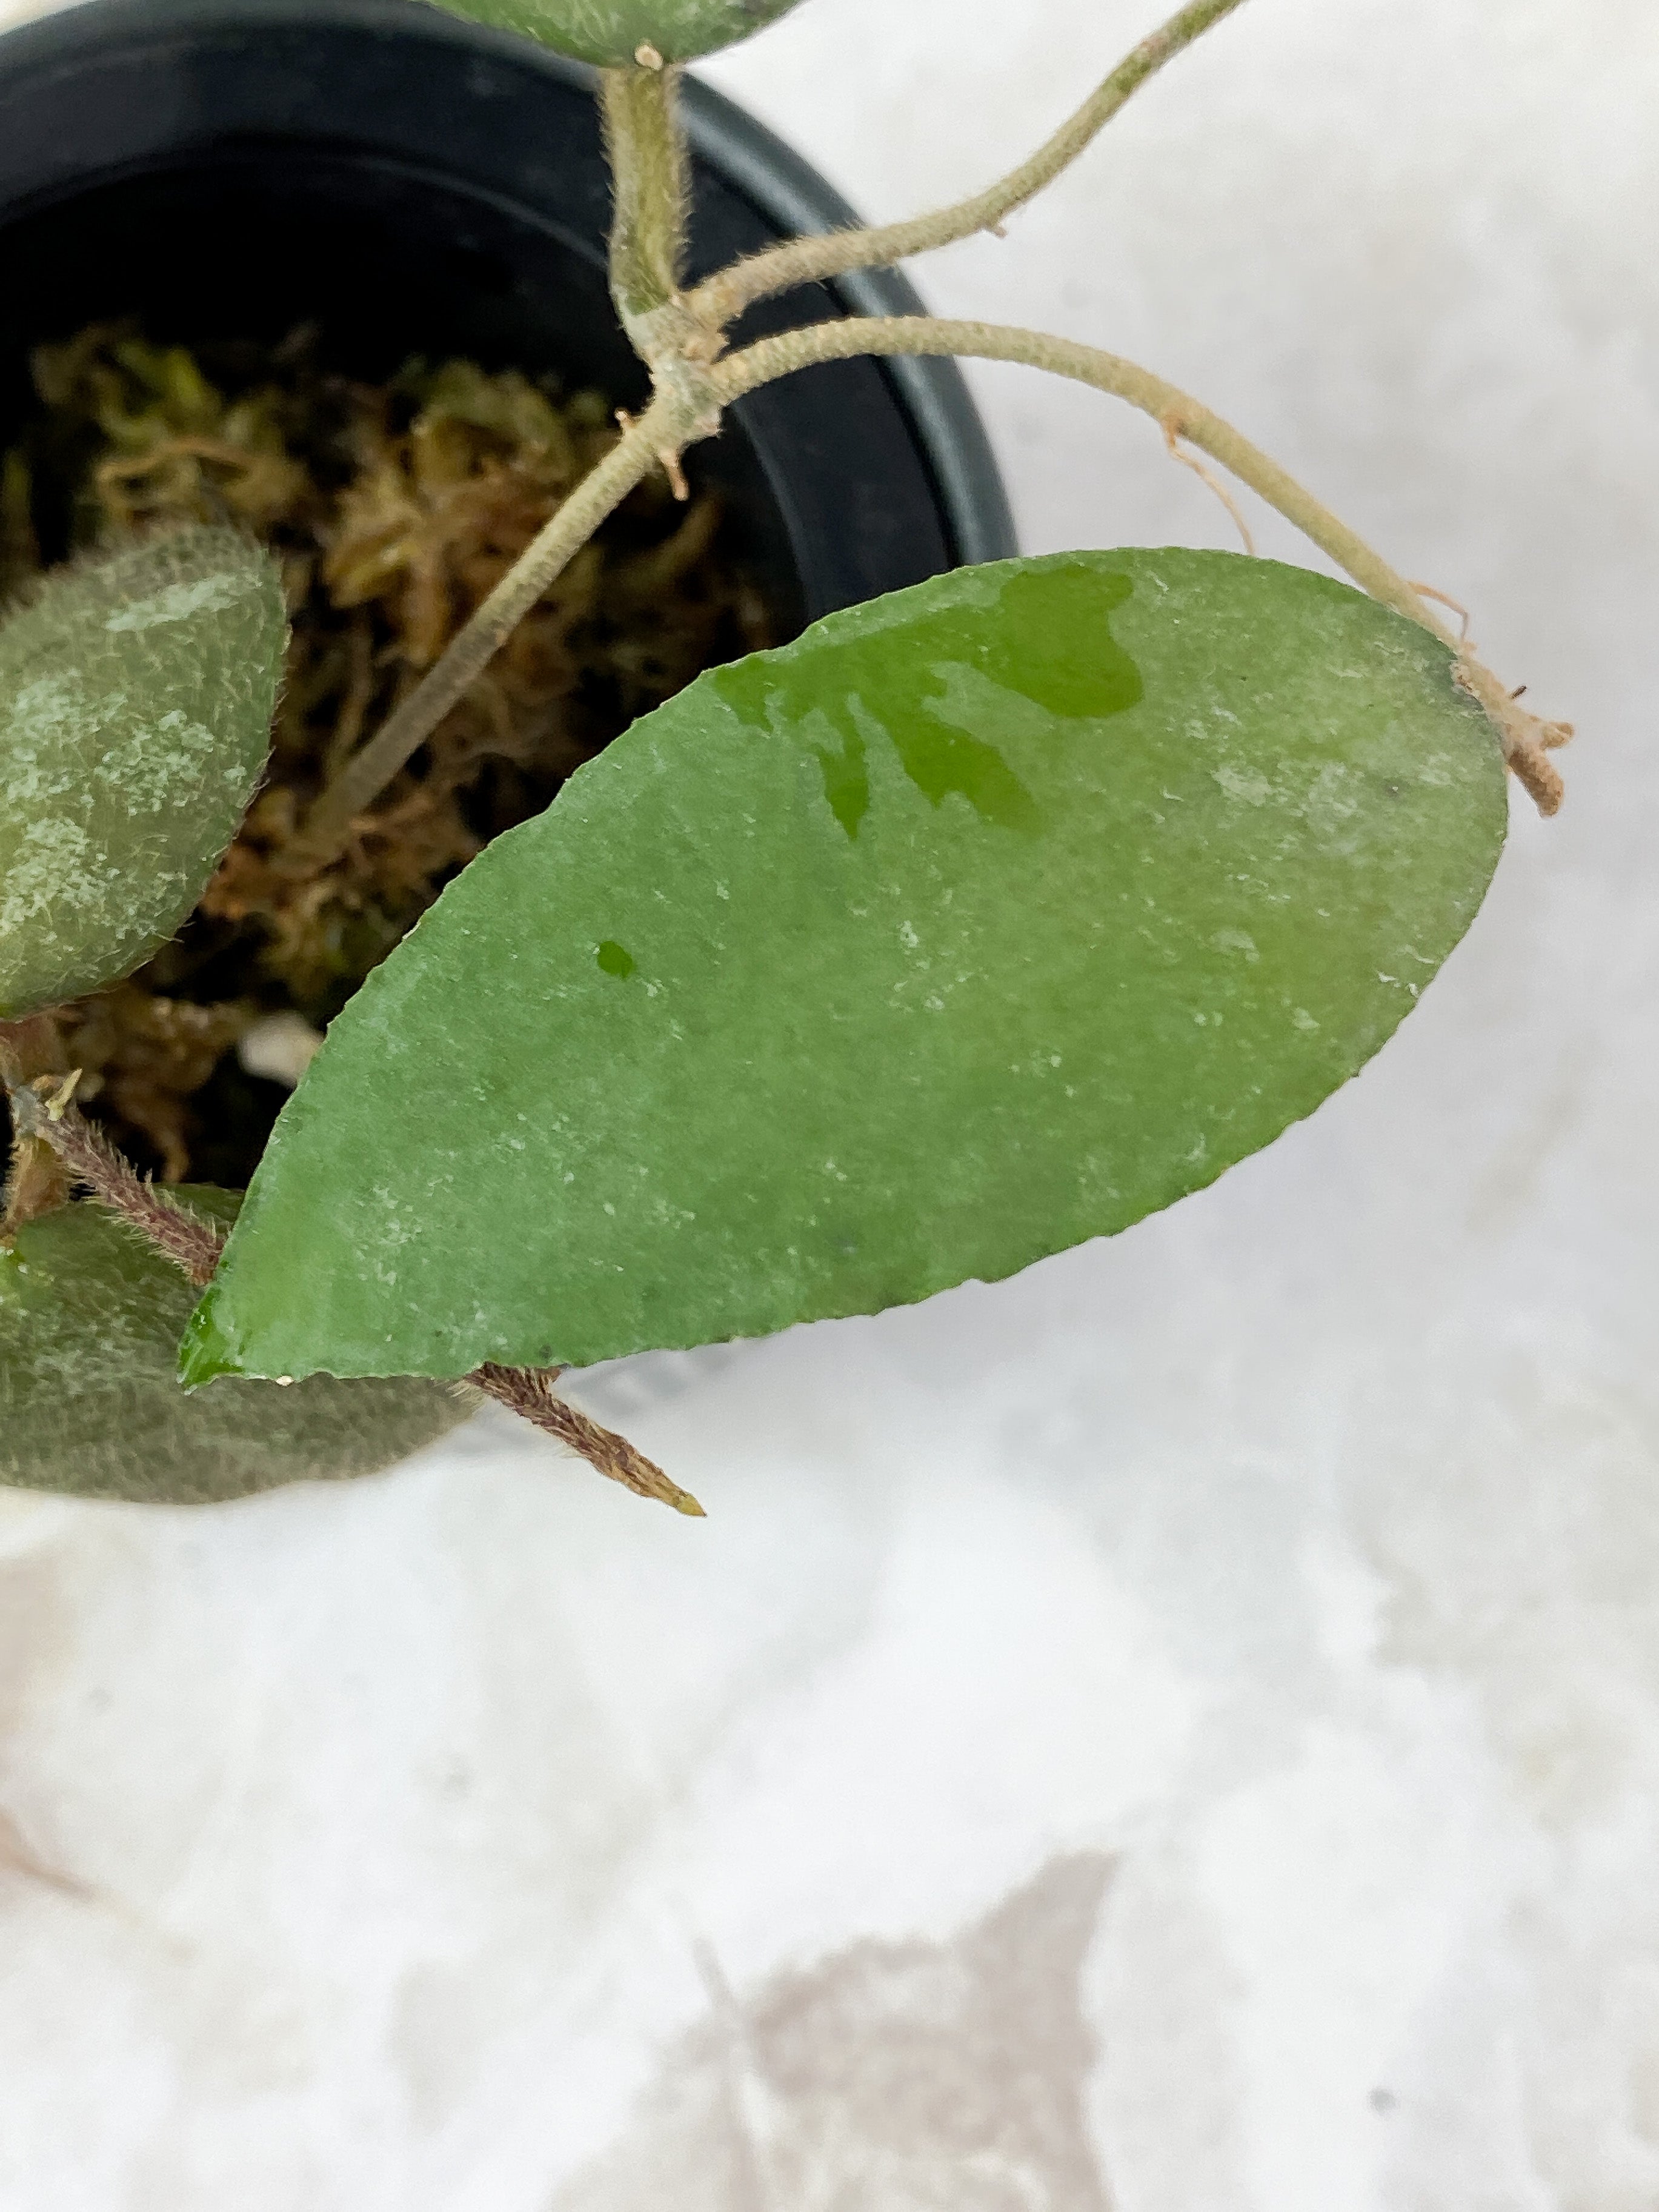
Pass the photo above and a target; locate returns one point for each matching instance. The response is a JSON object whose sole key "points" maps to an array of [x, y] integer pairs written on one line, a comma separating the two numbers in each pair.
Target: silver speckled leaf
{"points": [[90, 1403], [136, 691]]}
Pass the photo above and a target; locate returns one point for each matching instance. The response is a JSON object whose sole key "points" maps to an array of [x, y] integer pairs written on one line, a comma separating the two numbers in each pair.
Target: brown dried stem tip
{"points": [[529, 1392]]}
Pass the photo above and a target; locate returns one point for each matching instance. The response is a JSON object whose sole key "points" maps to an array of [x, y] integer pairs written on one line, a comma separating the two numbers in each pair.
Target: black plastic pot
{"points": [[414, 184]]}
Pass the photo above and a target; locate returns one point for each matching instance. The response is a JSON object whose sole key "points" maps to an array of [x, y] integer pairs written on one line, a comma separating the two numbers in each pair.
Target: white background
{"points": [[1180, 1729]]}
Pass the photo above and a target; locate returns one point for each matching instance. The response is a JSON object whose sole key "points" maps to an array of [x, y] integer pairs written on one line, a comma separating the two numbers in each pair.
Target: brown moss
{"points": [[394, 509]]}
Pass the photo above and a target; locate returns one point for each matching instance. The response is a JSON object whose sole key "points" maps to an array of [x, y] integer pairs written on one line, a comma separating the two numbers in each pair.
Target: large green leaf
{"points": [[136, 697], [613, 31], [985, 919], [89, 1396]]}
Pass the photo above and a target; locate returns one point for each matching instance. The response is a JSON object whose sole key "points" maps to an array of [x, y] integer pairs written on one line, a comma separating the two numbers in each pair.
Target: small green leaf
{"points": [[89, 1397], [612, 31], [985, 919], [136, 697]]}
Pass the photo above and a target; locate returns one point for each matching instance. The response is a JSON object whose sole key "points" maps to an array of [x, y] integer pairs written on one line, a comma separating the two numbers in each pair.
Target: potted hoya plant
{"points": [[999, 907]]}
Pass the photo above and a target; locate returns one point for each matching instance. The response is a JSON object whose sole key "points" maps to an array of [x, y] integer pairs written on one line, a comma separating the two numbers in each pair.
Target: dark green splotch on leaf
{"points": [[899, 1027], [617, 960], [89, 1397], [846, 780], [1051, 646], [136, 691]]}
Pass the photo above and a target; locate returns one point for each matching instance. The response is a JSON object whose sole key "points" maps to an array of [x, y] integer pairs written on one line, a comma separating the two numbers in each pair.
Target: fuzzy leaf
{"points": [[983, 920], [90, 1399], [136, 697], [612, 31]]}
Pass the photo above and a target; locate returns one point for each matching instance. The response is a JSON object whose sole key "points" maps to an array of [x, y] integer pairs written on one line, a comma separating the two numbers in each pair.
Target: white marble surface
{"points": [[1179, 1731]]}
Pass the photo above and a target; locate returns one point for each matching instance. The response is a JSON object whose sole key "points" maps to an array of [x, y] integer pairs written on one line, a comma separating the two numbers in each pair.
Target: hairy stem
{"points": [[530, 1393], [41, 1110], [1525, 739], [809, 260], [650, 188], [366, 774]]}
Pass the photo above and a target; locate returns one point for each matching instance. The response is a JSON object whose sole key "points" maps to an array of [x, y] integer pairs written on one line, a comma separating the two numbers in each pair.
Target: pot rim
{"points": [[932, 394]]}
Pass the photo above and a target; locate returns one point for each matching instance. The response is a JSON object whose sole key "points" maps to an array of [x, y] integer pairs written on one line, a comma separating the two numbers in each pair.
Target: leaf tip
{"points": [[204, 1352]]}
